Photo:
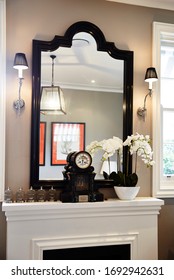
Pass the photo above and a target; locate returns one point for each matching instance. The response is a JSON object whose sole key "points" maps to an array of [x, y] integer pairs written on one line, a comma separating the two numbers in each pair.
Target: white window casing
{"points": [[162, 186]]}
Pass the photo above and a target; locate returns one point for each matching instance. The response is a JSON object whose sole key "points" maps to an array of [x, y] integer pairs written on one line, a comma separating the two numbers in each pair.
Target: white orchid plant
{"points": [[138, 145]]}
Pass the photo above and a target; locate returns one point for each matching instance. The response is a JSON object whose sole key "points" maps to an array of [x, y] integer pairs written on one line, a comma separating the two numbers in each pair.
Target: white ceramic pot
{"points": [[126, 193]]}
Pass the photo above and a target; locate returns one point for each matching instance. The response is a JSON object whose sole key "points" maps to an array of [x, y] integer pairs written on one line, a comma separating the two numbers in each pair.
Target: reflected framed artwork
{"points": [[66, 137], [42, 143]]}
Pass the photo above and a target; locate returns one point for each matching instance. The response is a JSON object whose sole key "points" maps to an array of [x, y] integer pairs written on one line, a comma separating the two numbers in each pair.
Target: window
{"points": [[163, 110], [2, 95]]}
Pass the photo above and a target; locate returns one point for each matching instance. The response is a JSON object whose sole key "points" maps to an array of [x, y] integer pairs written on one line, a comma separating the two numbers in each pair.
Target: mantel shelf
{"points": [[33, 227], [138, 201]]}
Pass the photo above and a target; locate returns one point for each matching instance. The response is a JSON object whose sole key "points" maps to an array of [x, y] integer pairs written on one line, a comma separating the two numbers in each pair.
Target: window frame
{"points": [[2, 94], [160, 188]]}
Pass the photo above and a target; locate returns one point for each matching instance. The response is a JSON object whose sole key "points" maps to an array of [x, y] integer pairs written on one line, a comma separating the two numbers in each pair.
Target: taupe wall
{"points": [[129, 27]]}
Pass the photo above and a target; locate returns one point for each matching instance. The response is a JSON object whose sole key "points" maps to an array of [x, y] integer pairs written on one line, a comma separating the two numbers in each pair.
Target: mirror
{"points": [[91, 72]]}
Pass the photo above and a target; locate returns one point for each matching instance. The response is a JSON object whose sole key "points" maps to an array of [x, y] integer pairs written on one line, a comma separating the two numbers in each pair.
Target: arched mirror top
{"points": [[66, 41]]}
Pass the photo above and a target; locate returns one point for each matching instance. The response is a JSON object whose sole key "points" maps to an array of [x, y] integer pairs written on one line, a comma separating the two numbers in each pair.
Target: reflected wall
{"points": [[102, 114]]}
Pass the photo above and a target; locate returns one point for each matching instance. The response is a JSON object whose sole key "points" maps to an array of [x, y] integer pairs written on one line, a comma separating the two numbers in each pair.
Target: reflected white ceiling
{"points": [[83, 67]]}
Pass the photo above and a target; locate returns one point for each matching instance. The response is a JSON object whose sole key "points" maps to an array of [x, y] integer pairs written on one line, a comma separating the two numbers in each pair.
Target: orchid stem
{"points": [[118, 162], [109, 166], [127, 167], [136, 162]]}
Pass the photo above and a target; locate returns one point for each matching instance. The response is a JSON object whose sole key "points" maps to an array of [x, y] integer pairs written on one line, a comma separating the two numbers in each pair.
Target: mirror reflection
{"points": [[95, 80], [92, 86]]}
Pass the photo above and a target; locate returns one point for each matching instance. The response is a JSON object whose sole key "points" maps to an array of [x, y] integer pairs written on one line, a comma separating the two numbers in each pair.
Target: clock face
{"points": [[83, 160]]}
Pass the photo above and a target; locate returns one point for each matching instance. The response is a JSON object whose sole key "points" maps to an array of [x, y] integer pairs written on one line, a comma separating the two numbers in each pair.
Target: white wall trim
{"points": [[2, 93], [41, 244], [158, 190], [158, 4]]}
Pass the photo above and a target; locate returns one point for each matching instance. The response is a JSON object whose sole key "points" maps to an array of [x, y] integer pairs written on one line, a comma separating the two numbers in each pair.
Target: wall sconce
{"points": [[20, 63], [150, 77], [52, 100]]}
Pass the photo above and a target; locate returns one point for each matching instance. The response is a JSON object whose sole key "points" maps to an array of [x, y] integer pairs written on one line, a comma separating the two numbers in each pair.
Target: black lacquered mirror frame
{"points": [[66, 41]]}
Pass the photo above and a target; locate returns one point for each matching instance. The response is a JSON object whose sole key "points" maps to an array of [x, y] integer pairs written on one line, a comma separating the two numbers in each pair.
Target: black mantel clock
{"points": [[79, 176]]}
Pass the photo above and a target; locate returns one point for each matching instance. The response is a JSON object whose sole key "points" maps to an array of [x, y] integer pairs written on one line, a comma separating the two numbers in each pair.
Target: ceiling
{"points": [[83, 67], [160, 4]]}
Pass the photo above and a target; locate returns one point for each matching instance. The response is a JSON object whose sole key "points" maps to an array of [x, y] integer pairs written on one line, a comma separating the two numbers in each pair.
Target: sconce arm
{"points": [[20, 85], [148, 94], [20, 103], [141, 110]]}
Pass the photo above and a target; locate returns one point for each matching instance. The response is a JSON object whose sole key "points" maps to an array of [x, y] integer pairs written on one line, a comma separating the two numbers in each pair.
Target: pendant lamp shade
{"points": [[52, 100]]}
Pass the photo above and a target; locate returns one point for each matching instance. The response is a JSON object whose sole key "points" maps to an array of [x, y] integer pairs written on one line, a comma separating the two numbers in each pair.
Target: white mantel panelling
{"points": [[33, 227]]}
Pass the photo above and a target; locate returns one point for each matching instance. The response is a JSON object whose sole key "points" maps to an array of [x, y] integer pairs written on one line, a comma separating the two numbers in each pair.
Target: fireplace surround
{"points": [[109, 252], [33, 228]]}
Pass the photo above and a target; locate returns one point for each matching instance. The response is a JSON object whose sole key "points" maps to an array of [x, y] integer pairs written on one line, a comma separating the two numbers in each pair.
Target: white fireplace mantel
{"points": [[34, 227]]}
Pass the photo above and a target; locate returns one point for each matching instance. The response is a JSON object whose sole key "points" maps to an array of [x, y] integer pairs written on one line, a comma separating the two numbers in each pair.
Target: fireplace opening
{"points": [[109, 252]]}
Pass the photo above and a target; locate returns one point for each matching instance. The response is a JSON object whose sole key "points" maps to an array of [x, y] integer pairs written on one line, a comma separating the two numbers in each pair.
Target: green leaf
{"points": [[120, 179], [105, 175], [131, 180]]}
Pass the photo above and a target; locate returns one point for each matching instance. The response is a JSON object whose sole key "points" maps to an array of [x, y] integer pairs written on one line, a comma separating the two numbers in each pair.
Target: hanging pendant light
{"points": [[52, 100]]}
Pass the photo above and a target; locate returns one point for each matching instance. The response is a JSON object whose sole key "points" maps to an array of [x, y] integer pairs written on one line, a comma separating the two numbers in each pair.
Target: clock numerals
{"points": [[83, 160]]}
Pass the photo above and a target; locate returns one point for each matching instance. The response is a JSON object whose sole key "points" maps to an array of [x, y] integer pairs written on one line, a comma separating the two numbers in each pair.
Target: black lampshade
{"points": [[20, 61], [151, 75]]}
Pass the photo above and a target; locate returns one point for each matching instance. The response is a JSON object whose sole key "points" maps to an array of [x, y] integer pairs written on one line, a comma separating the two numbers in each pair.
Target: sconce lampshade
{"points": [[151, 75], [52, 101], [20, 61]]}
